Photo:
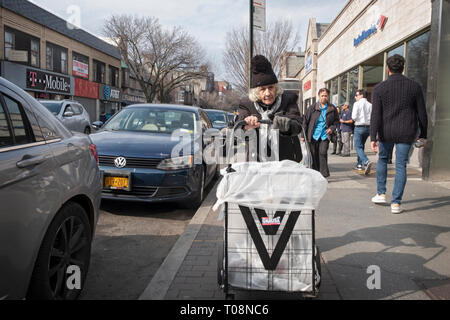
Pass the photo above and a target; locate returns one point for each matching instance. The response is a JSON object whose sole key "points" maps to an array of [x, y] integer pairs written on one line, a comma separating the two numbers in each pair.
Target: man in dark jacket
{"points": [[399, 118], [320, 123], [267, 101]]}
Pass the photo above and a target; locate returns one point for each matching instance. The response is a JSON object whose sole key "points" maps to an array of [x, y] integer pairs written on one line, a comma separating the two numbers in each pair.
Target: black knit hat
{"points": [[262, 72]]}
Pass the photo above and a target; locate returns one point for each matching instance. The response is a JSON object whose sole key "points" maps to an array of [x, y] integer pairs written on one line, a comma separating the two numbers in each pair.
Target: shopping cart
{"points": [[269, 227]]}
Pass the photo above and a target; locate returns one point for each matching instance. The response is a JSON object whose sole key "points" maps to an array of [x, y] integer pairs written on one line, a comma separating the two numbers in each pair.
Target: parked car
{"points": [[218, 118], [135, 152], [231, 116], [71, 113], [50, 193]]}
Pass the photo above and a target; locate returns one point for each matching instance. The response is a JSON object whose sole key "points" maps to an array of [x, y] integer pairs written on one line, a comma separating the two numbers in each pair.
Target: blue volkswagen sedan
{"points": [[136, 154]]}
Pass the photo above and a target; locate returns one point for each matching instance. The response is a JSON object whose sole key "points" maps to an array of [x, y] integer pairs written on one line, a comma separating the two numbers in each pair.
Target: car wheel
{"points": [[87, 130], [197, 200], [63, 260]]}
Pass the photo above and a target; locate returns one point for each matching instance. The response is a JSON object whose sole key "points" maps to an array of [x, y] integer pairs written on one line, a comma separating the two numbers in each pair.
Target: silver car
{"points": [[50, 191], [71, 113]]}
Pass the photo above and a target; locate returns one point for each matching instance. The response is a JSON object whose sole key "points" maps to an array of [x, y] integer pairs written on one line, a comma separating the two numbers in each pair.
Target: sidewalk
{"points": [[410, 250]]}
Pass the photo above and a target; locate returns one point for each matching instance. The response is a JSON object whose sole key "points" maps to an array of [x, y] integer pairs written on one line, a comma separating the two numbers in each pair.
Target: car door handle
{"points": [[29, 161]]}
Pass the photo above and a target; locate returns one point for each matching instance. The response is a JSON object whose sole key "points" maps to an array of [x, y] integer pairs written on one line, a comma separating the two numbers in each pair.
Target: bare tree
{"points": [[279, 37], [162, 60]]}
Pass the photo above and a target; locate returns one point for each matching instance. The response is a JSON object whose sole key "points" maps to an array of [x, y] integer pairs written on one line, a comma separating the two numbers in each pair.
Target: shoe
{"points": [[367, 168], [333, 152], [345, 155], [338, 153], [379, 199], [358, 168], [396, 208]]}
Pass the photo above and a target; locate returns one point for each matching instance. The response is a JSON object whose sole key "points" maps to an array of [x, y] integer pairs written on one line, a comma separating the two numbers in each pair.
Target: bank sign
{"points": [[373, 29], [42, 81]]}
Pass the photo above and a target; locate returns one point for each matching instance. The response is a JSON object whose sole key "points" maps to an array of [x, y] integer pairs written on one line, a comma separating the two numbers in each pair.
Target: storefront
{"points": [[86, 93], [352, 52], [110, 101], [354, 49], [40, 84]]}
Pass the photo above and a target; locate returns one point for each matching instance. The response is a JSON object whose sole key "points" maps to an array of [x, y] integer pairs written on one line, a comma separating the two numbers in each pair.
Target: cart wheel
{"points": [[220, 266]]}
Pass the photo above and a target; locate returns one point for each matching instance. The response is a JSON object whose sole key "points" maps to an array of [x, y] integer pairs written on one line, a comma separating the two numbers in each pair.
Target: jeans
{"points": [[361, 135], [346, 143], [401, 161]]}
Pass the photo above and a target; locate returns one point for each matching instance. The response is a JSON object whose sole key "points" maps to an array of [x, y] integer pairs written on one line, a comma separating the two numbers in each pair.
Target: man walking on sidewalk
{"points": [[362, 110], [346, 125], [397, 116]]}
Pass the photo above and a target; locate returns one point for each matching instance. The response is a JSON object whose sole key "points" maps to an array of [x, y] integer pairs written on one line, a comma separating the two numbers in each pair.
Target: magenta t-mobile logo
{"points": [[33, 76]]}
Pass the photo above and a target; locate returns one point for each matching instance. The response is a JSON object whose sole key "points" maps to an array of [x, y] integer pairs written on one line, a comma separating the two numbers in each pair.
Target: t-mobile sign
{"points": [[42, 81]]}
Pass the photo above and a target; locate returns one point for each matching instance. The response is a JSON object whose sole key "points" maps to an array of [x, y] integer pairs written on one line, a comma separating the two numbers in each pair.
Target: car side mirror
{"points": [[97, 125], [68, 114]]}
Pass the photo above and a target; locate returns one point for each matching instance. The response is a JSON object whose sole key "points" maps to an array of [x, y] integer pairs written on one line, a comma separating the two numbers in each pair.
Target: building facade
{"points": [[51, 59], [353, 50], [309, 72]]}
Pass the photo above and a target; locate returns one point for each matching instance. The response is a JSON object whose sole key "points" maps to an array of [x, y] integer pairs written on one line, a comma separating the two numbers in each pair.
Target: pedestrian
{"points": [[361, 116], [267, 100], [399, 118], [337, 144], [346, 128], [320, 123]]}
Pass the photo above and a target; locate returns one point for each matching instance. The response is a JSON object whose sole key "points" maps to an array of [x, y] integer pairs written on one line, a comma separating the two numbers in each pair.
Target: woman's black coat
{"points": [[290, 148]]}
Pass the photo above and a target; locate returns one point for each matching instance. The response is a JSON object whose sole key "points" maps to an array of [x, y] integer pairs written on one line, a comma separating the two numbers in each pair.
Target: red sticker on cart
{"points": [[266, 221]]}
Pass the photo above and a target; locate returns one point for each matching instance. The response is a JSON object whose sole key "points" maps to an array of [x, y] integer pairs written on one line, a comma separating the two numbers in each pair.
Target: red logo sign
{"points": [[307, 86], [85, 88]]}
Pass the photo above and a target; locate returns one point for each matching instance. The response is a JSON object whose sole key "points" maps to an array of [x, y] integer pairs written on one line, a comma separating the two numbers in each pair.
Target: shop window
{"points": [[334, 95], [353, 80], [343, 94], [80, 65], [21, 47], [399, 50], [417, 54]]}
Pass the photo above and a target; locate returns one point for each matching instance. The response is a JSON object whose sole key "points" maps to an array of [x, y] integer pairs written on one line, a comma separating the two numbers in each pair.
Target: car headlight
{"points": [[177, 163]]}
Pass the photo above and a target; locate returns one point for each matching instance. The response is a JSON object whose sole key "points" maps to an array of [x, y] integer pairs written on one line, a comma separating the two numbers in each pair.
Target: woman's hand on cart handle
{"points": [[252, 123]]}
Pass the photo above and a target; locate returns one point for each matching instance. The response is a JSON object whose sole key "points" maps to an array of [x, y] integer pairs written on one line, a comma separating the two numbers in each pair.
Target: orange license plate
{"points": [[117, 183]]}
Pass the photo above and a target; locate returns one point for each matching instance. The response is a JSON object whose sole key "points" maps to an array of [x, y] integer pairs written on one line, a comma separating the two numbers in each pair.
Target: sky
{"points": [[207, 20]]}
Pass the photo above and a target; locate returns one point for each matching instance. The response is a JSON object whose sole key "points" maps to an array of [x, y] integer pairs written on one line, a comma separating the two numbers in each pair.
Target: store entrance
{"points": [[373, 72]]}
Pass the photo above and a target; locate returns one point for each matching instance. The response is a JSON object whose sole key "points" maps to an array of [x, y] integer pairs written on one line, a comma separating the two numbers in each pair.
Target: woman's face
{"points": [[267, 94]]}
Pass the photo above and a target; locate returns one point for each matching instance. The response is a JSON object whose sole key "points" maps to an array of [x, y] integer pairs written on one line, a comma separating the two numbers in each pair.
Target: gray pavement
{"points": [[367, 252]]}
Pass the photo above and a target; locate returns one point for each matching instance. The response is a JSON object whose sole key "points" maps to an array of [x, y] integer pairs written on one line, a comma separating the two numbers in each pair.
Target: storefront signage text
{"points": [[109, 94], [42, 81], [373, 29], [80, 69]]}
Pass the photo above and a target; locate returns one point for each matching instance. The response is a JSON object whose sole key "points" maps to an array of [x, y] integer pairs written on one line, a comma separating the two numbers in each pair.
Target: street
{"points": [[131, 242]]}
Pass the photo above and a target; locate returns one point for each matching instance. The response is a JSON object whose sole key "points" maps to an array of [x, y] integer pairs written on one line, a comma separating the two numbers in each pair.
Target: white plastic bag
{"points": [[285, 185]]}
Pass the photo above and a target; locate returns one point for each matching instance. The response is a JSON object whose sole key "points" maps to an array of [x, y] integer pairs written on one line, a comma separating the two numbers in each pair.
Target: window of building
{"points": [[334, 91], [113, 76], [343, 93], [417, 55], [21, 47], [80, 65], [49, 58], [10, 43], [35, 53], [56, 58], [353, 79], [98, 71], [63, 61]]}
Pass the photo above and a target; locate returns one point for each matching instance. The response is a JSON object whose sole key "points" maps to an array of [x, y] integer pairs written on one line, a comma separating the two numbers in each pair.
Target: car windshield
{"points": [[217, 117], [53, 106], [152, 120]]}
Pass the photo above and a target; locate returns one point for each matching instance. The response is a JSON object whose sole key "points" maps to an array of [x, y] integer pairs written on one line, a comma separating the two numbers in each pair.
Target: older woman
{"points": [[267, 101]]}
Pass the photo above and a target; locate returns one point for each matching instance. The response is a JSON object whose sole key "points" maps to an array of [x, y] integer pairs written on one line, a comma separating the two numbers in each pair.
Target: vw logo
{"points": [[120, 162]]}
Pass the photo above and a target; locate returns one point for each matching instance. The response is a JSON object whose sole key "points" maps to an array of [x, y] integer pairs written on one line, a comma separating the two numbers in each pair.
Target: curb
{"points": [[161, 281]]}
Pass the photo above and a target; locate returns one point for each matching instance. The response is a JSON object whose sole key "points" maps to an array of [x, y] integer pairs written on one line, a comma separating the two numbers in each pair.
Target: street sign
{"points": [[259, 15]]}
